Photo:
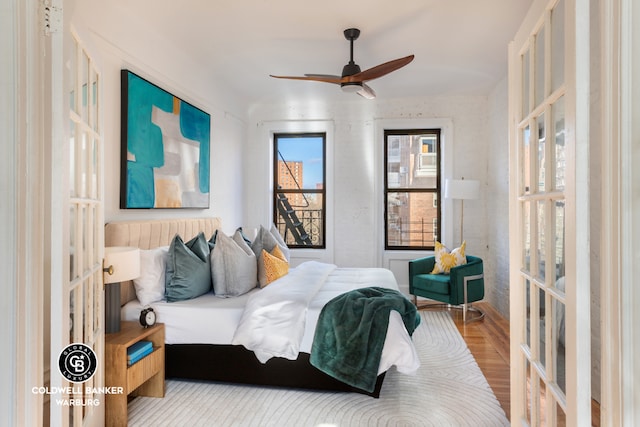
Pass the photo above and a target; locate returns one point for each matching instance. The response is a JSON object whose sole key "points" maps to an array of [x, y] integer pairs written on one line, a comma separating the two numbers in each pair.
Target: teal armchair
{"points": [[462, 286]]}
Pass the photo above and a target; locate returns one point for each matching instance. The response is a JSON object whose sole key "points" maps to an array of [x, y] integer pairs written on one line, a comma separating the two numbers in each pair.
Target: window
{"points": [[412, 188], [299, 183]]}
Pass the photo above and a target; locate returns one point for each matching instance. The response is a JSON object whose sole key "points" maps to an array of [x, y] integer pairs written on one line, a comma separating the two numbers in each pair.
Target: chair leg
{"points": [[465, 305]]}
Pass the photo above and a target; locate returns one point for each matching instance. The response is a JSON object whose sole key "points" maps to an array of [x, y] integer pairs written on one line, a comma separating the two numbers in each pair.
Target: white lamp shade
{"points": [[465, 189], [125, 262]]}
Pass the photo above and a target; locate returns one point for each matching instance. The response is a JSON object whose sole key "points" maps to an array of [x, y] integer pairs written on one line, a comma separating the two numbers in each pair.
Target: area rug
{"points": [[448, 390]]}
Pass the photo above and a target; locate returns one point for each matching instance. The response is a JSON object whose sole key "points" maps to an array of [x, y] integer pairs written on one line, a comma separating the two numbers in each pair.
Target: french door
{"points": [[77, 301], [549, 218]]}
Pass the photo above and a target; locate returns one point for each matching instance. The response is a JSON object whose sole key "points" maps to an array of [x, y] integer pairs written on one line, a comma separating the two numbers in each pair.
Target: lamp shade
{"points": [[123, 262], [465, 189]]}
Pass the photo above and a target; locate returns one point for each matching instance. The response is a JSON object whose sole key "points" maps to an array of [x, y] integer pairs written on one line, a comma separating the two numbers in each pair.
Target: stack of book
{"points": [[138, 350]]}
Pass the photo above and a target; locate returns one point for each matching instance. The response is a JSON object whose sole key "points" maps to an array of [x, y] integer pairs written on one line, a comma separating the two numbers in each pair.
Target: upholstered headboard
{"points": [[151, 234]]}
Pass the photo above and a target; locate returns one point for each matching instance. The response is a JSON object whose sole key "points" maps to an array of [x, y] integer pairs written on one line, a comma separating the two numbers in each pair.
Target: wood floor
{"points": [[488, 341]]}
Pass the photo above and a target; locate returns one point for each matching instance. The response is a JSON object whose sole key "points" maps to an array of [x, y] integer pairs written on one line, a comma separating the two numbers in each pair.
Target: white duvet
{"points": [[212, 320], [275, 318]]}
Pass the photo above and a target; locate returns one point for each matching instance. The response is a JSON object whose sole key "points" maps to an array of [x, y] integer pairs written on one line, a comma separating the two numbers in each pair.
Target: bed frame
{"points": [[224, 363]]}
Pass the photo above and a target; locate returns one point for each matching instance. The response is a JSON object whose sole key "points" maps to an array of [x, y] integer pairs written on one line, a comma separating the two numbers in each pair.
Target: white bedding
{"points": [[212, 320]]}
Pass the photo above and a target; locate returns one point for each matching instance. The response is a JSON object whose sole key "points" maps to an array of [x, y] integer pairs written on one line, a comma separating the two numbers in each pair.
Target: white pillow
{"points": [[150, 285]]}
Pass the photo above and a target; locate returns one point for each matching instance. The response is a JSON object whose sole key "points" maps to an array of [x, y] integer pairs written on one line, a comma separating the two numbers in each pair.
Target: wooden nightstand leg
{"points": [[116, 416]]}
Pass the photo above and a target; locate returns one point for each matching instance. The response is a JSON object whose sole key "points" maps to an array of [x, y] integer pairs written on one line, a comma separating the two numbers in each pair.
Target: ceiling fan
{"points": [[352, 79]]}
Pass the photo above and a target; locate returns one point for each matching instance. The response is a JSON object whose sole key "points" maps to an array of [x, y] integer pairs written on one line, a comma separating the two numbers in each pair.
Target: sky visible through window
{"points": [[307, 150]]}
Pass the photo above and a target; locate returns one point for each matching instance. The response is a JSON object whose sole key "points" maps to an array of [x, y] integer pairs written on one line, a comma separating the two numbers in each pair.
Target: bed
{"points": [[201, 334]]}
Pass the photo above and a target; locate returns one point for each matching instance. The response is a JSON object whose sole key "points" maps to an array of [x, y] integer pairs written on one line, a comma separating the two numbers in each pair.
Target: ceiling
{"points": [[460, 46]]}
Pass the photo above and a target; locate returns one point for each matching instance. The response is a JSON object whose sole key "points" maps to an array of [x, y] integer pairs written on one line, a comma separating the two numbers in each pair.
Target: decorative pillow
{"points": [[233, 266], [283, 246], [275, 265], [266, 239], [188, 269], [150, 285], [446, 260]]}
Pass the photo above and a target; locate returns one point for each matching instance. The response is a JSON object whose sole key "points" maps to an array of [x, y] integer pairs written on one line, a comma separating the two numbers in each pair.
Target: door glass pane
{"points": [[97, 294], [525, 83], [73, 259], [84, 82], [94, 101], [83, 221], [526, 238], [82, 164], [558, 215], [94, 168], [544, 320], [541, 238], [527, 293], [72, 80], [72, 160], [526, 160], [541, 152], [412, 219], [88, 306], [560, 150], [528, 393], [559, 343], [533, 391], [557, 45], [539, 67]]}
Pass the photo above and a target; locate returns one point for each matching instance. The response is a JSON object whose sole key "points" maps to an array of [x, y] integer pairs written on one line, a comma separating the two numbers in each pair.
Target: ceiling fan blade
{"points": [[379, 70], [313, 77], [366, 92]]}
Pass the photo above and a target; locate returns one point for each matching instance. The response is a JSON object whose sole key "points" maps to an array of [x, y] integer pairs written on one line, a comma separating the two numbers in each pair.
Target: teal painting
{"points": [[165, 148]]}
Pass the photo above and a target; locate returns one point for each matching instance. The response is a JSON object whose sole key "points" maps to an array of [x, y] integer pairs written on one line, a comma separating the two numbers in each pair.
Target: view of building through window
{"points": [[299, 183], [412, 188]]}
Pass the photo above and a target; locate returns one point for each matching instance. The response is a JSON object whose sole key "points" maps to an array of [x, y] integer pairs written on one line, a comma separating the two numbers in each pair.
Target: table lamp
{"points": [[121, 263]]}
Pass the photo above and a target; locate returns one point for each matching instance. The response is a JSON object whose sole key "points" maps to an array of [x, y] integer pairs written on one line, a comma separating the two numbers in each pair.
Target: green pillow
{"points": [[188, 272]]}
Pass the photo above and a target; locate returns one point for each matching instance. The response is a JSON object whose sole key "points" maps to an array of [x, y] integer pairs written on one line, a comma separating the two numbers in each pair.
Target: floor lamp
{"points": [[120, 264], [461, 189]]}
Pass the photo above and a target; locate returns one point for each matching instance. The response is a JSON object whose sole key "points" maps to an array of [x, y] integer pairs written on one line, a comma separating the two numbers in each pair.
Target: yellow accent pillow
{"points": [[446, 260], [275, 264]]}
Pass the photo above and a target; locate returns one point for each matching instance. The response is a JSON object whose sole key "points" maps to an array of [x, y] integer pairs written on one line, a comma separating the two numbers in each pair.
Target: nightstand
{"points": [[143, 378]]}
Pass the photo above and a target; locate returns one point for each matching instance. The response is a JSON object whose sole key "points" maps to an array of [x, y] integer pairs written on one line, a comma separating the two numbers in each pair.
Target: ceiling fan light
{"points": [[351, 87]]}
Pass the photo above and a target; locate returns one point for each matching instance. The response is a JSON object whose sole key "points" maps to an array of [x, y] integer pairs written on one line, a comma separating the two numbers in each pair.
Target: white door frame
{"points": [[620, 230], [25, 249]]}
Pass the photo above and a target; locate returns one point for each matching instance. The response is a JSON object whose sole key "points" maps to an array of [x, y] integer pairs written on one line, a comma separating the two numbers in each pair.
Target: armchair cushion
{"points": [[445, 260], [438, 283]]}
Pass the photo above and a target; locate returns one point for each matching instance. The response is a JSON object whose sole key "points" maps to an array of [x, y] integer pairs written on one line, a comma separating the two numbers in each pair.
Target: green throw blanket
{"points": [[351, 331]]}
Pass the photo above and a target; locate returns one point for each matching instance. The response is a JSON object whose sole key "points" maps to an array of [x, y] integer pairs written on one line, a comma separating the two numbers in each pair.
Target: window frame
{"points": [[437, 190], [322, 191]]}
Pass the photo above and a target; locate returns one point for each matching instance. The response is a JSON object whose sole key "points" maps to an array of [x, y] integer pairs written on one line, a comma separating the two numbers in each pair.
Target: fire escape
{"points": [[293, 225]]}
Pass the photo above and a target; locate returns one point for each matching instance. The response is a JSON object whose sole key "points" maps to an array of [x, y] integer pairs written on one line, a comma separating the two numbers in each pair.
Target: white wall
{"points": [[118, 42], [356, 158], [496, 263], [241, 150]]}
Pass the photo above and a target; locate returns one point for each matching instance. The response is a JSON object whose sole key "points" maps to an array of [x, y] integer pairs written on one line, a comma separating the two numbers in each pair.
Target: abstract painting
{"points": [[165, 148]]}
